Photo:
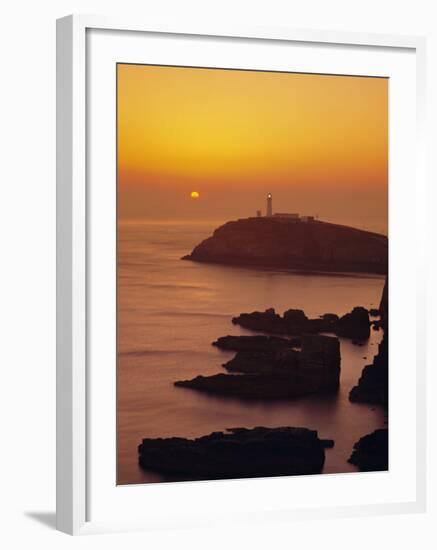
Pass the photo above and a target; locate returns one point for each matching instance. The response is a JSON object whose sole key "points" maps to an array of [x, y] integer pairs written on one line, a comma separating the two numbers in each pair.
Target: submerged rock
{"points": [[370, 453], [237, 453]]}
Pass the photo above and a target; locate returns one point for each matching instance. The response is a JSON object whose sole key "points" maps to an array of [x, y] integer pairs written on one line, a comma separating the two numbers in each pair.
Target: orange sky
{"points": [[316, 142]]}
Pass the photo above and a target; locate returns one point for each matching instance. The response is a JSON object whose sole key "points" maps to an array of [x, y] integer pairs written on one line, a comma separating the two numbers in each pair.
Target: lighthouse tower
{"points": [[269, 205]]}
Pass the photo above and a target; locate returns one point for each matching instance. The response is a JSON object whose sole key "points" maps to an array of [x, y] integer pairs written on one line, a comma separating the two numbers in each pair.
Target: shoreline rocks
{"points": [[255, 343], [370, 453], [263, 362], [237, 453], [354, 325], [249, 386], [282, 374], [372, 386]]}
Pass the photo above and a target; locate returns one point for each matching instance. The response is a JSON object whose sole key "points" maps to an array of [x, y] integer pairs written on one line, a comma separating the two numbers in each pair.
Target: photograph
{"points": [[252, 273], [214, 217]]}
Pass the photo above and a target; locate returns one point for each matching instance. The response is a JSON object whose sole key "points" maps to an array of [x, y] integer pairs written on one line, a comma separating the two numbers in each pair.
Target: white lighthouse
{"points": [[269, 205]]}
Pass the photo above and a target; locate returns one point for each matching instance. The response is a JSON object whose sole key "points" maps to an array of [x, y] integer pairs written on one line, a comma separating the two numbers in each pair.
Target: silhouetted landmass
{"points": [[296, 245], [370, 453], [256, 343], [372, 386], [237, 453], [264, 362], [281, 374], [355, 325]]}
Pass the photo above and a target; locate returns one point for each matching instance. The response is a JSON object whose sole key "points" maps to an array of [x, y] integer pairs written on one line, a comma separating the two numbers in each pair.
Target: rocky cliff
{"points": [[372, 387], [297, 245]]}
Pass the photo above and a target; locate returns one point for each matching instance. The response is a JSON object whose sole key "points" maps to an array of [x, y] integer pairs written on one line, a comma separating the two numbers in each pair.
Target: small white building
{"points": [[289, 215]]}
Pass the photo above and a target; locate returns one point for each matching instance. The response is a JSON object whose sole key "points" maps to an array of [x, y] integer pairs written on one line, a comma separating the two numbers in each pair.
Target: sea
{"points": [[171, 310]]}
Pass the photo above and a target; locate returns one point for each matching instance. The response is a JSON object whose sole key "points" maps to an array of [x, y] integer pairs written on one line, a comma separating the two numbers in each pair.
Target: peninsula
{"points": [[300, 244]]}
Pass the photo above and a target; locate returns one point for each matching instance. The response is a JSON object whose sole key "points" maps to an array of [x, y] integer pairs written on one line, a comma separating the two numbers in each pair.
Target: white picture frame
{"points": [[74, 339]]}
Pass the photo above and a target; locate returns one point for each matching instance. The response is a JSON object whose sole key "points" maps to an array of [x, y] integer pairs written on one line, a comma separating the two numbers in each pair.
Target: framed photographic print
{"points": [[239, 231]]}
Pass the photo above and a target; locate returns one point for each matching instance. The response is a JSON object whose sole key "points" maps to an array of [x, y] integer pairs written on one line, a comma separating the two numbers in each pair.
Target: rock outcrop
{"points": [[354, 325], [264, 362], [372, 386], [282, 374], [296, 245], [237, 453], [370, 453], [256, 343], [319, 362]]}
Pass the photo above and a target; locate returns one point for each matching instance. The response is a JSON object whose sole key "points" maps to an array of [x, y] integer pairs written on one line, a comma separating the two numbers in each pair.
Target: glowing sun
{"points": [[194, 195]]}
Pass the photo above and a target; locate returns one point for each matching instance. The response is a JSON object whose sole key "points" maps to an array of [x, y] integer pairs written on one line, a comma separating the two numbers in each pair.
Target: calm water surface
{"points": [[170, 311]]}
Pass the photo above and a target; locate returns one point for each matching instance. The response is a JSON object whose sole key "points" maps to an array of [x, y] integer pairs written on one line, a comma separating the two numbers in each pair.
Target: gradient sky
{"points": [[318, 143]]}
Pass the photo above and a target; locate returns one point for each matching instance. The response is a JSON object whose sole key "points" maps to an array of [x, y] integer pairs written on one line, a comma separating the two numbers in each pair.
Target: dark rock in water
{"points": [[283, 374], [330, 317], [372, 386], [355, 324], [264, 362], [383, 306], [265, 321], [319, 361], [295, 317], [250, 386], [290, 324], [255, 343], [358, 342], [289, 244], [370, 453], [237, 453]]}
